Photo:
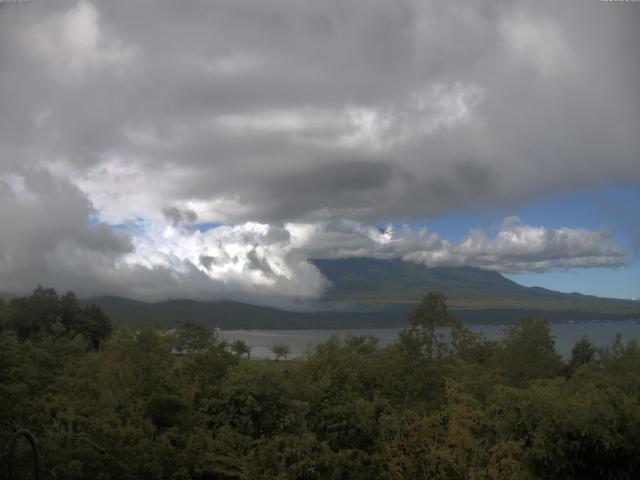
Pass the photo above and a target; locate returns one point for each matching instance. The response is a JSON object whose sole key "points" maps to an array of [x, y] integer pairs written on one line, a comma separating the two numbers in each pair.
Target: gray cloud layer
{"points": [[305, 113], [51, 241]]}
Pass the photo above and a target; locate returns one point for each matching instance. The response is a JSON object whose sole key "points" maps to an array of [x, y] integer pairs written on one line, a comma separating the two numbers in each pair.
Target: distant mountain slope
{"points": [[366, 281], [233, 315], [236, 315], [367, 293]]}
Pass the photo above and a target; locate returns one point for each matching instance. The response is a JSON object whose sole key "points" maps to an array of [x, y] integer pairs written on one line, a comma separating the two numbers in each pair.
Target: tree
{"points": [[295, 456], [95, 325], [205, 369], [167, 411], [456, 441], [192, 337], [70, 312], [280, 350], [361, 344], [581, 428], [434, 333], [582, 353], [421, 339], [4, 314], [432, 312], [528, 352], [352, 409], [240, 348], [136, 367], [253, 400], [35, 313]]}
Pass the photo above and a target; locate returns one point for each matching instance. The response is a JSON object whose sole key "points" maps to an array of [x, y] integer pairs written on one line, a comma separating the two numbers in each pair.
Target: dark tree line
{"points": [[44, 312], [440, 403]]}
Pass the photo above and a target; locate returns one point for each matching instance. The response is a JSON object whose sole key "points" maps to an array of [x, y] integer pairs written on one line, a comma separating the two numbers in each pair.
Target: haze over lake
{"points": [[299, 341]]}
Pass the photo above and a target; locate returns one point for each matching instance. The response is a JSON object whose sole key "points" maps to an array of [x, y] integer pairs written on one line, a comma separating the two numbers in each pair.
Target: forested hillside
{"points": [[439, 403]]}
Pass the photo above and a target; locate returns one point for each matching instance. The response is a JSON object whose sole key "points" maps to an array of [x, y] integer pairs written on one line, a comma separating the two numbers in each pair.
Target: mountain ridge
{"points": [[366, 292], [372, 281]]}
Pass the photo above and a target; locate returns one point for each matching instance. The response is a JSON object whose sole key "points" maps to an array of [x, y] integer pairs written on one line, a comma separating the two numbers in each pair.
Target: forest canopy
{"points": [[440, 402]]}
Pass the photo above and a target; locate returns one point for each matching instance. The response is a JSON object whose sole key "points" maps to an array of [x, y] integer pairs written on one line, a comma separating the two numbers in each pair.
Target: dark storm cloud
{"points": [[233, 99], [328, 187], [287, 111], [45, 234]]}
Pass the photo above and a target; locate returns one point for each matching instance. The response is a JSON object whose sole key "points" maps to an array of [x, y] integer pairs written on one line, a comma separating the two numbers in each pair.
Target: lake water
{"points": [[299, 341]]}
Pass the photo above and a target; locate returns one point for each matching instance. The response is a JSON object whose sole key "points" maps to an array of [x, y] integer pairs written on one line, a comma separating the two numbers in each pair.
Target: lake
{"points": [[299, 341]]}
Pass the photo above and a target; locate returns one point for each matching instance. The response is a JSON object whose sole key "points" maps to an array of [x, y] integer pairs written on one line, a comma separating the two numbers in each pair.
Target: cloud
{"points": [[296, 117], [237, 98], [258, 261], [518, 247], [370, 128], [47, 237], [515, 247], [177, 216], [539, 43], [53, 239], [74, 43]]}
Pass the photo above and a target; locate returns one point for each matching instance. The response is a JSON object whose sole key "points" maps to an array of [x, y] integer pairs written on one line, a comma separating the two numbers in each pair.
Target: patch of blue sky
{"points": [[614, 208], [134, 227], [622, 282], [203, 227]]}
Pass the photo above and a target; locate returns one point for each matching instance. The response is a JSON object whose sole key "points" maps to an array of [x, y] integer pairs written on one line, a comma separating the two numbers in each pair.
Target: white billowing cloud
{"points": [[257, 259], [518, 247], [261, 259], [53, 239]]}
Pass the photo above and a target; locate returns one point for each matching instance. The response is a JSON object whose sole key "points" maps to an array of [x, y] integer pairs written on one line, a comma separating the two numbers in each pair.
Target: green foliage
{"points": [[194, 337], [582, 353], [4, 315], [426, 335], [440, 403], [580, 428], [240, 348], [254, 401], [528, 353], [280, 350], [39, 313]]}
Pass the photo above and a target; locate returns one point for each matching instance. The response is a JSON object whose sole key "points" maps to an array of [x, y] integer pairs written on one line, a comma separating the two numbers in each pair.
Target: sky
{"points": [[209, 150]]}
